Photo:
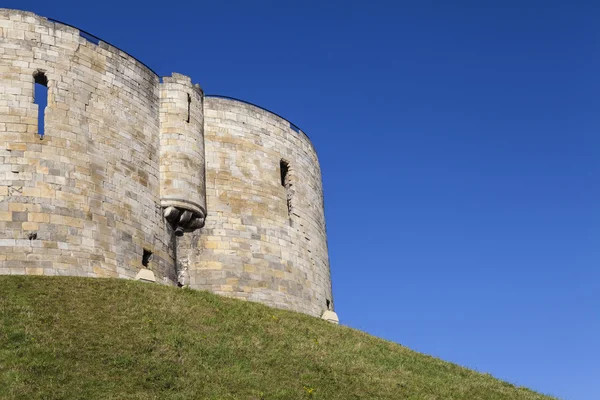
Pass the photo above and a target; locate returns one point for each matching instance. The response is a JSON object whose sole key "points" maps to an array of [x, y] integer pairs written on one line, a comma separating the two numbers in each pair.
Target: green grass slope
{"points": [[78, 338]]}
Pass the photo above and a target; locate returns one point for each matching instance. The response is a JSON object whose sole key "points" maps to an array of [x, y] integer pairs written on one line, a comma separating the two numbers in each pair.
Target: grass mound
{"points": [[83, 338]]}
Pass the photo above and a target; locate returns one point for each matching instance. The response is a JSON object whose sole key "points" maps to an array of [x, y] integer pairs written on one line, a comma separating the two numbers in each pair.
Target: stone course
{"points": [[138, 173]]}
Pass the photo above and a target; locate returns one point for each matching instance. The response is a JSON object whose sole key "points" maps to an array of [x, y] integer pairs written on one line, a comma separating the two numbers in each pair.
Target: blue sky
{"points": [[460, 149]]}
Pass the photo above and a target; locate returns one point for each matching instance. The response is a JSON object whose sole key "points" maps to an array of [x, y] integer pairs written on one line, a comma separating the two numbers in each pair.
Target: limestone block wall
{"points": [[128, 164], [264, 238], [85, 200], [182, 188]]}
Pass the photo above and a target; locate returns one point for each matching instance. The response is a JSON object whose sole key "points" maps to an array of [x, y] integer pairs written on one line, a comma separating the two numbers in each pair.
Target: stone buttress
{"points": [[182, 178]]}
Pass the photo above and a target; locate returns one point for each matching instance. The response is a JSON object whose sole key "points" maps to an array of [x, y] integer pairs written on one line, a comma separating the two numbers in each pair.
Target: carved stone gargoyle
{"points": [[183, 220]]}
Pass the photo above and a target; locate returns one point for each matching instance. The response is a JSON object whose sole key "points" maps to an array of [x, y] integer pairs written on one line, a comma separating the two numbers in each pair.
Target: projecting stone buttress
{"points": [[182, 177]]}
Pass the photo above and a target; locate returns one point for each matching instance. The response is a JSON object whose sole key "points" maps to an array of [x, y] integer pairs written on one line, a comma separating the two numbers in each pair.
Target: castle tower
{"points": [[264, 238], [85, 200], [134, 177], [182, 186]]}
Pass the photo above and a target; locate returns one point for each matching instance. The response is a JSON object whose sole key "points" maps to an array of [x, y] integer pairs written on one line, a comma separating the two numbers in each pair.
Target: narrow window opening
{"points": [[284, 168], [40, 97], [328, 302], [189, 107], [146, 257]]}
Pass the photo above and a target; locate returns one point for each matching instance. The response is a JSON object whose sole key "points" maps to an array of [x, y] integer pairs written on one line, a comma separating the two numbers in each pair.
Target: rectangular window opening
{"points": [[284, 168], [146, 257], [189, 107], [40, 97]]}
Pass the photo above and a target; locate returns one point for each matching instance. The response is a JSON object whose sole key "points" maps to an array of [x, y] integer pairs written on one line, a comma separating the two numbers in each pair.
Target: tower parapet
{"points": [[182, 186]]}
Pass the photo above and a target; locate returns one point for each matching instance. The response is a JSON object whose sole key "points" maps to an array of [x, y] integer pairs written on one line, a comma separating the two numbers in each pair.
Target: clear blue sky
{"points": [[460, 148]]}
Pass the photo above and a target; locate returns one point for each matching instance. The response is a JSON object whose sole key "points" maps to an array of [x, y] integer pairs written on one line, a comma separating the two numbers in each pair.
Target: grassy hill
{"points": [[78, 338]]}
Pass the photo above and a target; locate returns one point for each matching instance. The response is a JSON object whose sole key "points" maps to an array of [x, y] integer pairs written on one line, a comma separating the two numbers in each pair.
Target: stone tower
{"points": [[182, 186], [137, 173]]}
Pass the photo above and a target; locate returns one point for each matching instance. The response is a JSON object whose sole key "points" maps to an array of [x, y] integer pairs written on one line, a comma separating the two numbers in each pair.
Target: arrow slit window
{"points": [[40, 97], [286, 182]]}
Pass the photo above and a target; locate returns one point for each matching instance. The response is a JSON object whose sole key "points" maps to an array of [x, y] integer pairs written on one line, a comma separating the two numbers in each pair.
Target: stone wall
{"points": [[128, 164], [89, 191], [256, 244]]}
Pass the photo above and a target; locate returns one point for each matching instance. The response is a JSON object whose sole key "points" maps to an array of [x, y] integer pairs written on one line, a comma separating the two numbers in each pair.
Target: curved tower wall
{"points": [[89, 191], [256, 244], [128, 163], [182, 188]]}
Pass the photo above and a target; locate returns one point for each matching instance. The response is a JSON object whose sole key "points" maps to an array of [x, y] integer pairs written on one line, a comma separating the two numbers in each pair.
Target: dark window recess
{"points": [[40, 97], [284, 166], [189, 108], [146, 257], [328, 304]]}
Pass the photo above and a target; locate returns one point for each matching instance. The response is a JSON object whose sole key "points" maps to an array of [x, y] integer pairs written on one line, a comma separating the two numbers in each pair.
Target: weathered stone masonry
{"points": [[132, 166]]}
